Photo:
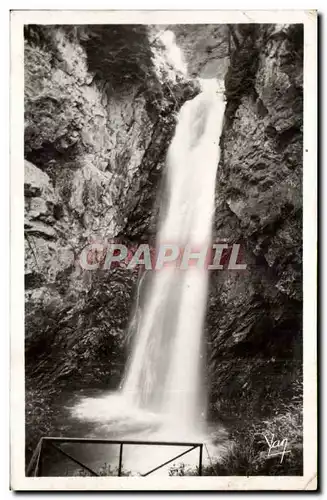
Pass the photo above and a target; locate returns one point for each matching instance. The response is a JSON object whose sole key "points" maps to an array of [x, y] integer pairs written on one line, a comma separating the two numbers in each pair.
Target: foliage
{"points": [[273, 408], [181, 469], [248, 453], [39, 416], [119, 54], [105, 470]]}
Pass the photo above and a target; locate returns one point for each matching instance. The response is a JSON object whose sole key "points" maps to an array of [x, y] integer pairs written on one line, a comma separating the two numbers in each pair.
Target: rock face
{"points": [[206, 48], [255, 316], [95, 146]]}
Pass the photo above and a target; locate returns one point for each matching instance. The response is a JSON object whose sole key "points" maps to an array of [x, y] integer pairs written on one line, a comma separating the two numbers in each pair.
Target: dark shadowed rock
{"points": [[256, 314], [95, 147]]}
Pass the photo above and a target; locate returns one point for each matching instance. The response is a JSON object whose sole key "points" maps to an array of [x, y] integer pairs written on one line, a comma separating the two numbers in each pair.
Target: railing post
{"points": [[38, 467], [120, 459], [200, 459]]}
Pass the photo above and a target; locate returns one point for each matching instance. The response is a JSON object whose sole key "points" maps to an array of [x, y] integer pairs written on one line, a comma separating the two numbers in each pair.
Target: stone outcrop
{"points": [[254, 322], [94, 152], [206, 48]]}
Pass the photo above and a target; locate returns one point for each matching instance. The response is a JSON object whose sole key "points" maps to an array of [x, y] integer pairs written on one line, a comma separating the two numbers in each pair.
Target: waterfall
{"points": [[163, 375], [161, 391]]}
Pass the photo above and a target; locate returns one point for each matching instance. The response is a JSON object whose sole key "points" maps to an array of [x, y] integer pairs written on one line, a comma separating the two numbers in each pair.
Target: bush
{"points": [[105, 470], [248, 451], [119, 54], [249, 454]]}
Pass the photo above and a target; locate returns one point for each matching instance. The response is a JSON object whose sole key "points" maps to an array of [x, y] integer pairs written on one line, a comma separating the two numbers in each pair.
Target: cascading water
{"points": [[164, 373], [161, 390]]}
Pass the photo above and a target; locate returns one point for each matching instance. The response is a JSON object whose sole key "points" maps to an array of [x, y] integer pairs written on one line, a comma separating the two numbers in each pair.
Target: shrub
{"points": [[119, 54]]}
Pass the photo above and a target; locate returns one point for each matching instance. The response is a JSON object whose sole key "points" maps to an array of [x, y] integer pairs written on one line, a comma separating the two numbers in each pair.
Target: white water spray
{"points": [[164, 372]]}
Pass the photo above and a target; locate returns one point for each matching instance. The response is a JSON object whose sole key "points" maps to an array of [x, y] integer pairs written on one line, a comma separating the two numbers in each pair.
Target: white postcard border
{"points": [[18, 480]]}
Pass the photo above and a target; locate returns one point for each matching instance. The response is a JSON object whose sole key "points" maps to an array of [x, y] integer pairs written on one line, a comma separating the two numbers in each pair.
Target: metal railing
{"points": [[35, 465]]}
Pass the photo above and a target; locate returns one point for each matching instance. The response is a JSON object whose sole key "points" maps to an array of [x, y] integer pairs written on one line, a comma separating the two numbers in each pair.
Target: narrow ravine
{"points": [[163, 378], [171, 136]]}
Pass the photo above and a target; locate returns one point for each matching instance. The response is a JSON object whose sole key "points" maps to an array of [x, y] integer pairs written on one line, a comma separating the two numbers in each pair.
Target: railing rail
{"points": [[35, 466]]}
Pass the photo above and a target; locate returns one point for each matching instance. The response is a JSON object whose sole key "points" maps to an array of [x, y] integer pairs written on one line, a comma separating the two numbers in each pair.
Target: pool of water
{"points": [[103, 414]]}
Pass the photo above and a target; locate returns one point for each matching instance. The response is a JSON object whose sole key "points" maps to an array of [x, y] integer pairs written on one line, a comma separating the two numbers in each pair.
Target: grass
{"points": [[39, 416], [247, 452], [105, 470]]}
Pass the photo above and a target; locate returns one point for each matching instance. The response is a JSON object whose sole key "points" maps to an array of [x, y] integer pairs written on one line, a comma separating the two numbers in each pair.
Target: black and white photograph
{"points": [[163, 319]]}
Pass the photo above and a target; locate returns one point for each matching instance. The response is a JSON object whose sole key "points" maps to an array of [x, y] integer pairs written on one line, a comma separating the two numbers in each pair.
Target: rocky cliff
{"points": [[254, 321], [259, 205], [97, 128]]}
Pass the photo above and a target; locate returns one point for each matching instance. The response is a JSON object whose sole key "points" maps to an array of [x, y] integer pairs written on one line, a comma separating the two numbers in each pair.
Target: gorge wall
{"points": [[256, 337], [96, 135], [97, 132]]}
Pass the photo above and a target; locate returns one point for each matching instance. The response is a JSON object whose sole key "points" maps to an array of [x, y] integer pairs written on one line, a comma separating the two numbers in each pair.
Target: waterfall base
{"points": [[114, 417]]}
